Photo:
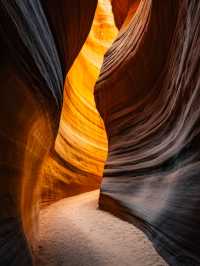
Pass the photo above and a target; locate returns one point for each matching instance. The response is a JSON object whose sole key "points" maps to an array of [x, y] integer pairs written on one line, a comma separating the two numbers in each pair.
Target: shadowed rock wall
{"points": [[124, 10], [148, 94], [39, 42]]}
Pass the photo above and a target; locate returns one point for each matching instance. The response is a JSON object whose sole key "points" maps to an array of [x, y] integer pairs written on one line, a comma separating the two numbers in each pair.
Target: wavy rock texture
{"points": [[148, 94], [39, 42], [76, 164]]}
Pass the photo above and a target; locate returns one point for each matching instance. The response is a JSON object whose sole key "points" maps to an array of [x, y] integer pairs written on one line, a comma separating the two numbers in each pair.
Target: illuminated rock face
{"points": [[76, 164], [148, 94]]}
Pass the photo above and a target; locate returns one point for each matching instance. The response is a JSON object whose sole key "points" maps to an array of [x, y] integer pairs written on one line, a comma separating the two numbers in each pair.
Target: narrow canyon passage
{"points": [[99, 124], [74, 232]]}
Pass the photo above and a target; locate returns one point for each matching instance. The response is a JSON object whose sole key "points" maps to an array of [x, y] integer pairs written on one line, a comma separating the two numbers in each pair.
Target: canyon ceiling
{"points": [[102, 95]]}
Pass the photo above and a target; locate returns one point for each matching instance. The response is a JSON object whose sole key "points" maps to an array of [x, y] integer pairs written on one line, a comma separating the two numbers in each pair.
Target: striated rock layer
{"points": [[39, 42], [148, 94], [76, 164]]}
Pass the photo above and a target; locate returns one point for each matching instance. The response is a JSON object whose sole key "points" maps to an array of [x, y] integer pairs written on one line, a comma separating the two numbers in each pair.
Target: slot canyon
{"points": [[99, 132]]}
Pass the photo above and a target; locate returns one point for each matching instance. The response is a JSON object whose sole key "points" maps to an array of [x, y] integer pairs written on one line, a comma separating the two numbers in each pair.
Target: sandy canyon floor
{"points": [[74, 232]]}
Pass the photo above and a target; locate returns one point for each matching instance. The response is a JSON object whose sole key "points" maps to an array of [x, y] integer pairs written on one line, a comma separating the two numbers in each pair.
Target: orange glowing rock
{"points": [[81, 145]]}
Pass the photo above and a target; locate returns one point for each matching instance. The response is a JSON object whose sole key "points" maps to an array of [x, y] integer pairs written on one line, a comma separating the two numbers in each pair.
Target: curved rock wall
{"points": [[39, 42], [76, 164], [148, 94]]}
